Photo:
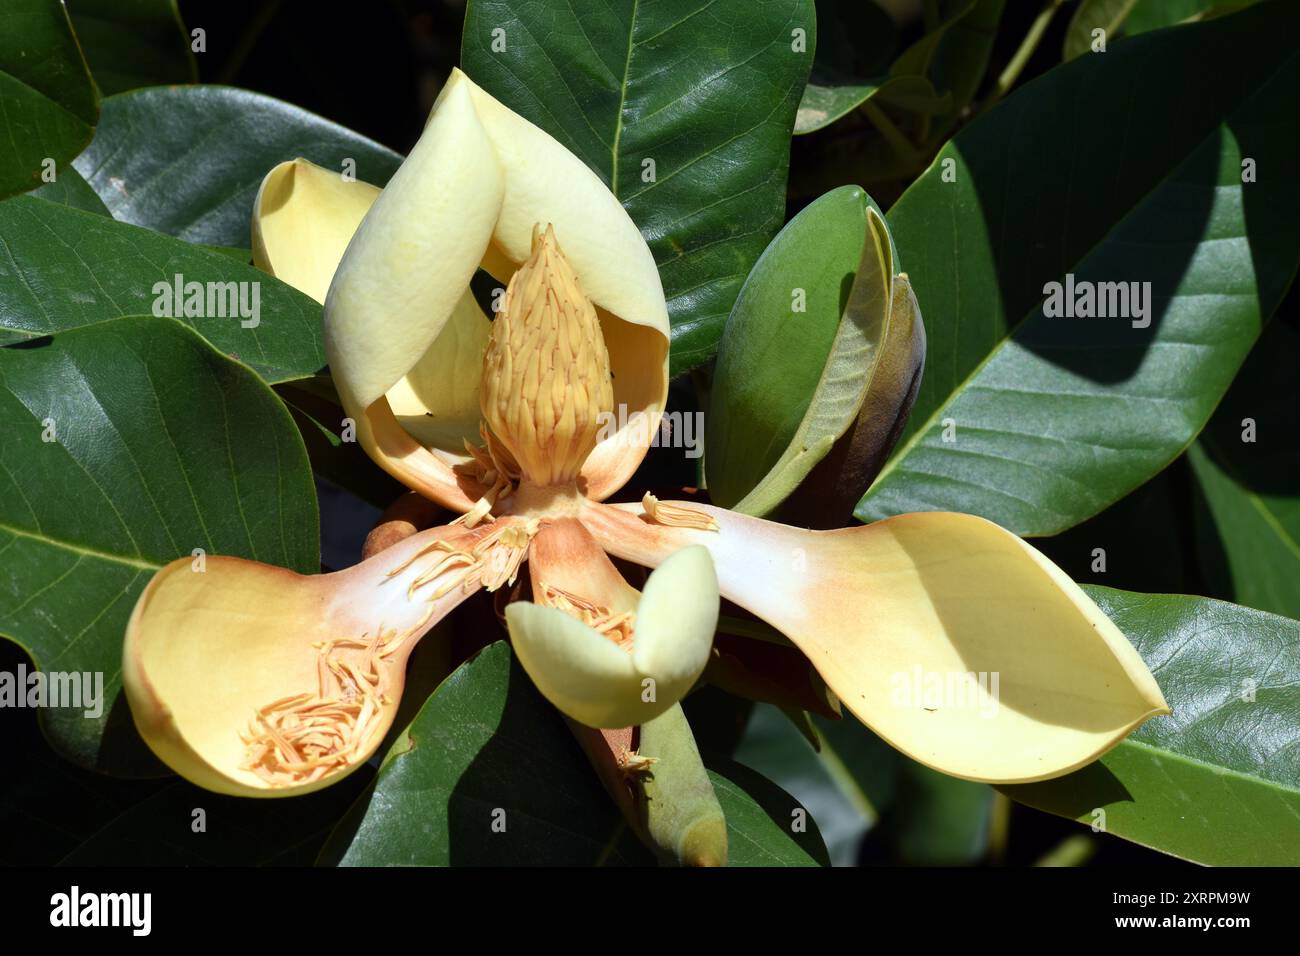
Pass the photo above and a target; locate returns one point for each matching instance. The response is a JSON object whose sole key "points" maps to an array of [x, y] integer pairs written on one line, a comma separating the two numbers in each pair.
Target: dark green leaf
{"points": [[66, 268], [684, 109], [488, 748], [128, 444], [1038, 423], [1154, 14], [50, 103], [1105, 15], [131, 43], [188, 161], [1218, 781], [1247, 463], [69, 189], [854, 42]]}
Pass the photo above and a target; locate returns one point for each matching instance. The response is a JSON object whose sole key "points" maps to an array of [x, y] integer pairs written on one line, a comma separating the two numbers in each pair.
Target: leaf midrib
{"points": [[81, 550]]}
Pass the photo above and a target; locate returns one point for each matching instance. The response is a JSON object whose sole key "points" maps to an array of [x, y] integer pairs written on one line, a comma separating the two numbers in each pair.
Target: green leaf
{"points": [[70, 189], [960, 62], [1038, 423], [854, 42], [1105, 15], [487, 747], [1154, 14], [188, 160], [50, 102], [64, 268], [1249, 533], [777, 340], [130, 43], [701, 94], [849, 372], [1218, 781], [128, 444]]}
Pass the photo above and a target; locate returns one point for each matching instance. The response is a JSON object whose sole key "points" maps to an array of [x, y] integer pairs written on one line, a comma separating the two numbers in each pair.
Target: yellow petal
{"points": [[906, 617], [413, 256], [205, 650], [304, 216], [545, 183], [597, 683]]}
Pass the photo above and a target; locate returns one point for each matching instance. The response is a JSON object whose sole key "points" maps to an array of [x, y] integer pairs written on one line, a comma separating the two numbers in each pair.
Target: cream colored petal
{"points": [[545, 183], [413, 256], [581, 672], [393, 449], [205, 650], [304, 216], [437, 401], [675, 621], [912, 620]]}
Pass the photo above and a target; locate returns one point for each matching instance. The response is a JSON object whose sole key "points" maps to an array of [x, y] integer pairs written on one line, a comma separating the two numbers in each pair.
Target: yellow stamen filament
{"points": [[616, 627], [300, 738], [677, 516]]}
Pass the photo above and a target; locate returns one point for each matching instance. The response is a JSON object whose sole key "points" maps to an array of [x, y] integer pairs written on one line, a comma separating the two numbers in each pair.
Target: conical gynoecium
{"points": [[546, 385]]}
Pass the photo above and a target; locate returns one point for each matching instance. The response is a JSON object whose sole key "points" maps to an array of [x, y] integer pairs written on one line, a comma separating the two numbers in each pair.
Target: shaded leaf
{"points": [[1038, 423], [188, 160], [1217, 781], [1105, 15], [127, 445], [131, 43], [684, 109], [66, 268], [487, 748], [50, 102], [1252, 487]]}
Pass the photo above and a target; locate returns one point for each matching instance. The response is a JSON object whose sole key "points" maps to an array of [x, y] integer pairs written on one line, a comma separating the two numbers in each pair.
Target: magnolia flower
{"points": [[254, 680]]}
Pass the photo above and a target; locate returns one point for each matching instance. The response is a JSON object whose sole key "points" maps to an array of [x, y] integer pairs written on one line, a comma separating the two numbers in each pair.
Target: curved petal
{"points": [[584, 672], [412, 258], [545, 183], [205, 651], [676, 619], [950, 637], [576, 668], [304, 216]]}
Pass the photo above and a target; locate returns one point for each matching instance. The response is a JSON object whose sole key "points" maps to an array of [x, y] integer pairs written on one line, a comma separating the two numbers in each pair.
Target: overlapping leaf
{"points": [[131, 43], [187, 161], [64, 267], [488, 774], [128, 444], [50, 103], [684, 109], [1217, 781], [1116, 169]]}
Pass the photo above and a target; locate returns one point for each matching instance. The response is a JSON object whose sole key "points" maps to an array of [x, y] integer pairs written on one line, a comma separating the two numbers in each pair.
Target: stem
{"points": [[1022, 55], [893, 135]]}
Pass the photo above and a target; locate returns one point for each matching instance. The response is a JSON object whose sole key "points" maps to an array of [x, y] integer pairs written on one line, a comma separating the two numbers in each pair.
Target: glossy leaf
{"points": [[1154, 14], [1090, 15], [131, 43], [1247, 465], [188, 160], [127, 445], [854, 44], [70, 189], [777, 340], [487, 747], [1218, 781], [66, 268], [1038, 423], [684, 109], [50, 102]]}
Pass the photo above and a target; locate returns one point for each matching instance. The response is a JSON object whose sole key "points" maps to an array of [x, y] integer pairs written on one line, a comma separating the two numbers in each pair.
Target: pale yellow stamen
{"points": [[617, 627], [677, 516]]}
